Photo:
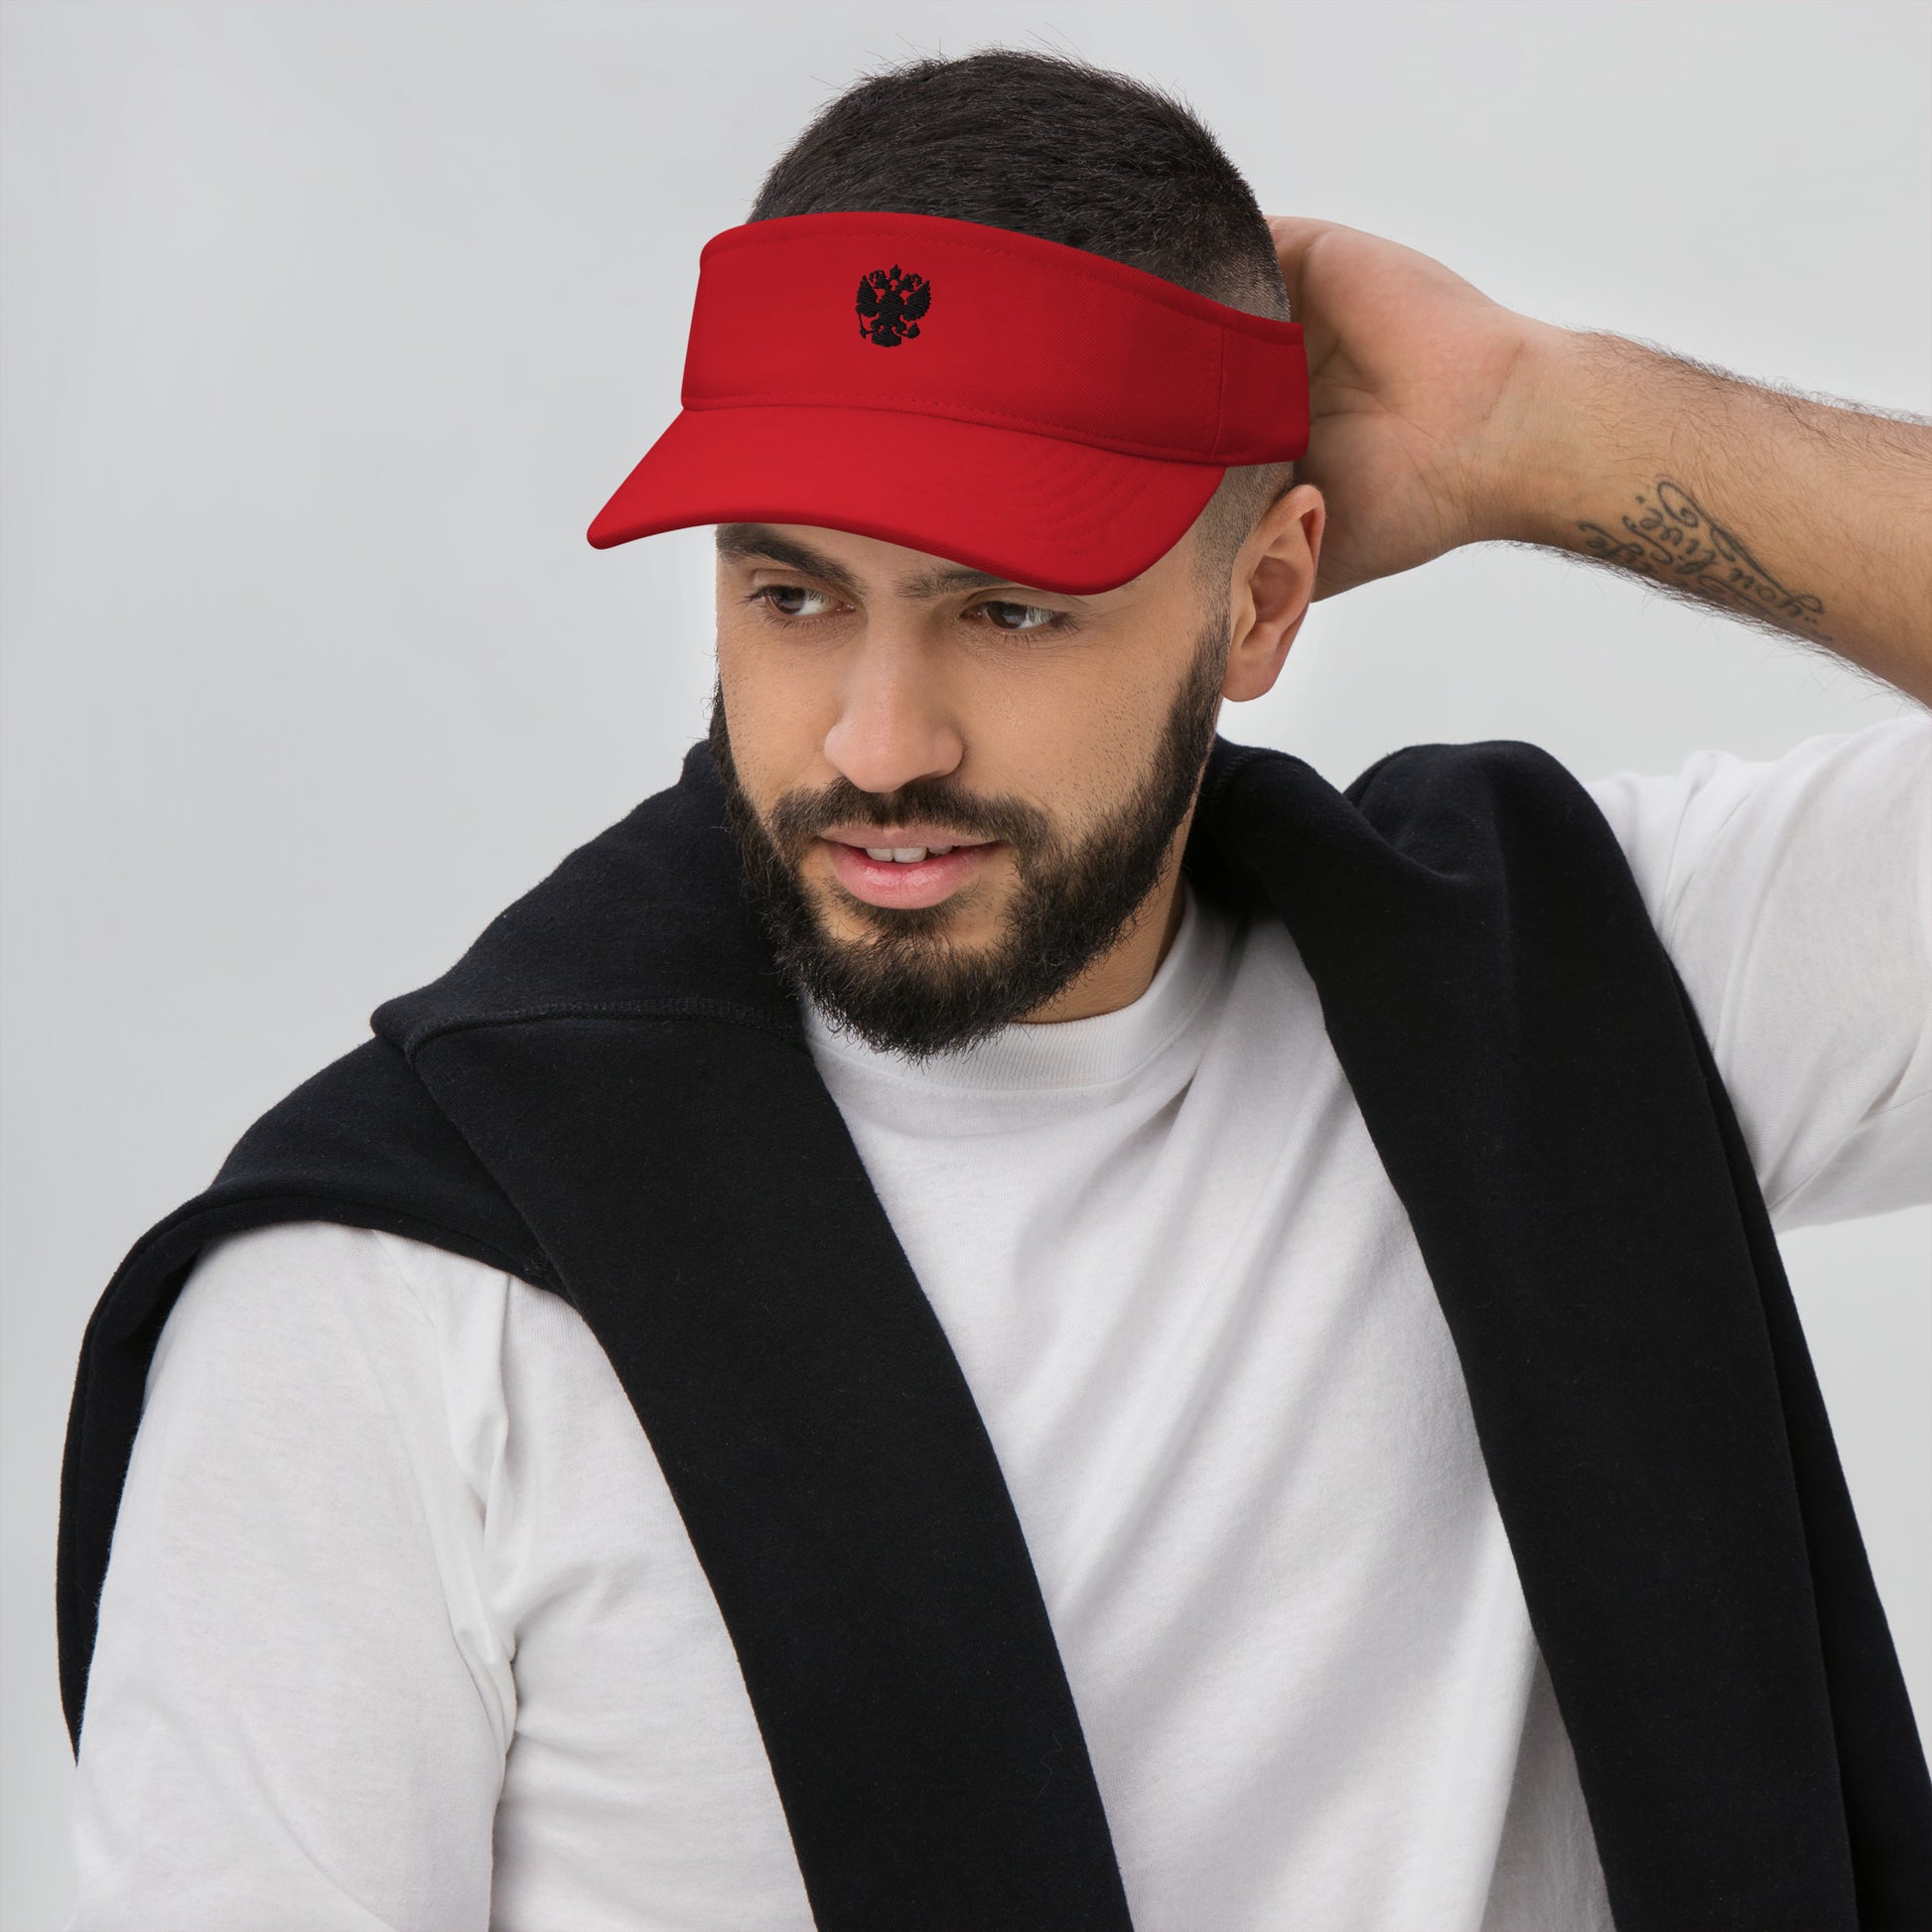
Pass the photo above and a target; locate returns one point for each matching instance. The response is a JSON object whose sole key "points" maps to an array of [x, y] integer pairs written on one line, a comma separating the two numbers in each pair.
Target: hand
{"points": [[1419, 386]]}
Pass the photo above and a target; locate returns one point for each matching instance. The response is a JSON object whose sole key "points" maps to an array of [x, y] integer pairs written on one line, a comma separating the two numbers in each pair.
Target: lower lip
{"points": [[880, 882]]}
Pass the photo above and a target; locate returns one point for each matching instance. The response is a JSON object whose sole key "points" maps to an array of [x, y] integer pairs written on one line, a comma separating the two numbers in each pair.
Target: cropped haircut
{"points": [[1056, 148]]}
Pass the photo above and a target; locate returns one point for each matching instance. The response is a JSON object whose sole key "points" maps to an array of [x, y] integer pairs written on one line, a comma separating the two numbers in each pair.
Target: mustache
{"points": [[798, 818]]}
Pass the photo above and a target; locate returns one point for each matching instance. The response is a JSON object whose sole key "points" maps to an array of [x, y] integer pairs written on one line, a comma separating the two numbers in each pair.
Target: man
{"points": [[407, 1622]]}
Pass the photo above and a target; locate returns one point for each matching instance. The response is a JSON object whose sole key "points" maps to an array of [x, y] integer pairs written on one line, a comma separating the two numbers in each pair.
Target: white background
{"points": [[327, 328]]}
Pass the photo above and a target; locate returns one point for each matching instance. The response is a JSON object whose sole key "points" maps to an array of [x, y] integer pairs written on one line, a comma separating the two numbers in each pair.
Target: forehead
{"points": [[846, 554], [850, 560]]}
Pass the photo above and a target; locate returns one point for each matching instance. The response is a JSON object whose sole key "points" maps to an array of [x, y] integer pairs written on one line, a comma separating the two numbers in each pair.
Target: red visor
{"points": [[1003, 402]]}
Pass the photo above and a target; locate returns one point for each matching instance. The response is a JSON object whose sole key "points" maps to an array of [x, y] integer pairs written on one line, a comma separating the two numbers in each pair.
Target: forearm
{"points": [[1812, 520]]}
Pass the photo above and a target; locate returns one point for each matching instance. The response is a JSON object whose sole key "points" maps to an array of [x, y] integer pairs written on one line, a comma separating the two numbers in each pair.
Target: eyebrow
{"points": [[746, 540]]}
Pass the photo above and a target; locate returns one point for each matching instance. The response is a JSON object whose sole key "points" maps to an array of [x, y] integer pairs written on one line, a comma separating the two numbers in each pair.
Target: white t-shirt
{"points": [[402, 1628]]}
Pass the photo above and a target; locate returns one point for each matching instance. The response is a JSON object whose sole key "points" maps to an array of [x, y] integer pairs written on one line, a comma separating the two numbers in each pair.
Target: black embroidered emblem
{"points": [[891, 305]]}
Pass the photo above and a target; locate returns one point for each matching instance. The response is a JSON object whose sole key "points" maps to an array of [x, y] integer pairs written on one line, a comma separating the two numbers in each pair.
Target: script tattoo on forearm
{"points": [[1672, 539]]}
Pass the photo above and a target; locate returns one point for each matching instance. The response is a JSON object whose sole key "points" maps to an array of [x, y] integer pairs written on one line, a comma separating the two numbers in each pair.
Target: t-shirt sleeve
{"points": [[1795, 896], [282, 1726]]}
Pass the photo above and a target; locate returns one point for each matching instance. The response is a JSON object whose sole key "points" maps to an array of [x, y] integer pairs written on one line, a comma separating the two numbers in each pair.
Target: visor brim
{"points": [[1037, 511]]}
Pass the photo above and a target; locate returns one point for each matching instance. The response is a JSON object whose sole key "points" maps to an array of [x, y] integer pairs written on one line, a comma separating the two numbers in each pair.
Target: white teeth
{"points": [[906, 855]]}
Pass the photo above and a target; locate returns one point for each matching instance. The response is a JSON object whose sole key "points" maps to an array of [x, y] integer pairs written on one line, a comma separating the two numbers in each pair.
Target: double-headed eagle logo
{"points": [[891, 304]]}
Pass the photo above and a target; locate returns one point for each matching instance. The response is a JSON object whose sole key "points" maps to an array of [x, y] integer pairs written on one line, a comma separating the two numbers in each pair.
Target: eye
{"points": [[791, 600], [1004, 616]]}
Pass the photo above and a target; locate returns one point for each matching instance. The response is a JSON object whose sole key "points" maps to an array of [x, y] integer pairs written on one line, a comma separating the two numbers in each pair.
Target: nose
{"points": [[895, 721]]}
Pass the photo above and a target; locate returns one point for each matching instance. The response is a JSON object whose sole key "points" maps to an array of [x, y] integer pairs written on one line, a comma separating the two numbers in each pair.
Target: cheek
{"points": [[775, 713], [1071, 739], [1100, 719]]}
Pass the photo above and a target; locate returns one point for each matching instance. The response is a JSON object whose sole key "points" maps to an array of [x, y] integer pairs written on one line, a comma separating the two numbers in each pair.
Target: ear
{"points": [[1271, 588]]}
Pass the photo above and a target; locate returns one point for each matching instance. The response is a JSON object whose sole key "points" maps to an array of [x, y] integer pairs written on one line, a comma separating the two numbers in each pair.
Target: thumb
{"points": [[1294, 237]]}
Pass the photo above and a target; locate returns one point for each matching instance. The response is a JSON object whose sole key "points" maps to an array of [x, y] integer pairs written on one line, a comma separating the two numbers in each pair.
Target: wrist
{"points": [[1537, 460]]}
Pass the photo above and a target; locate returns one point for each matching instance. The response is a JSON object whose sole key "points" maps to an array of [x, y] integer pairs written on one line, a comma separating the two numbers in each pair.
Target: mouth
{"points": [[932, 875]]}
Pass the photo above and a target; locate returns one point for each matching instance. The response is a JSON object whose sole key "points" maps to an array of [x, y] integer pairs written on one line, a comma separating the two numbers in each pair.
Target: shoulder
{"points": [[363, 1142], [1491, 802], [321, 1306]]}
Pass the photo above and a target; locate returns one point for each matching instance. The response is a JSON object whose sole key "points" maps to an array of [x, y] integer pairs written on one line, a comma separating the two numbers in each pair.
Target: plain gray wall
{"points": [[327, 328]]}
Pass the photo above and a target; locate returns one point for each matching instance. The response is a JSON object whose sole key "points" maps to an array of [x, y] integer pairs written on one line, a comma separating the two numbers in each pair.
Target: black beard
{"points": [[907, 990]]}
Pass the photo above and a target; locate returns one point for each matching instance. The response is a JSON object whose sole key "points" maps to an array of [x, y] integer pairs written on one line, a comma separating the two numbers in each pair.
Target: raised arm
{"points": [[1441, 418]]}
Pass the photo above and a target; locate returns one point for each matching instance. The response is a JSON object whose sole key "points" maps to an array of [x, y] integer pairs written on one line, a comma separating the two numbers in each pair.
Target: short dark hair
{"points": [[1053, 147]]}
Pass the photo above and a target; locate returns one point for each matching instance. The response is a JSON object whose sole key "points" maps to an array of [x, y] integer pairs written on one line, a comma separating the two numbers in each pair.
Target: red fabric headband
{"points": [[1007, 403]]}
